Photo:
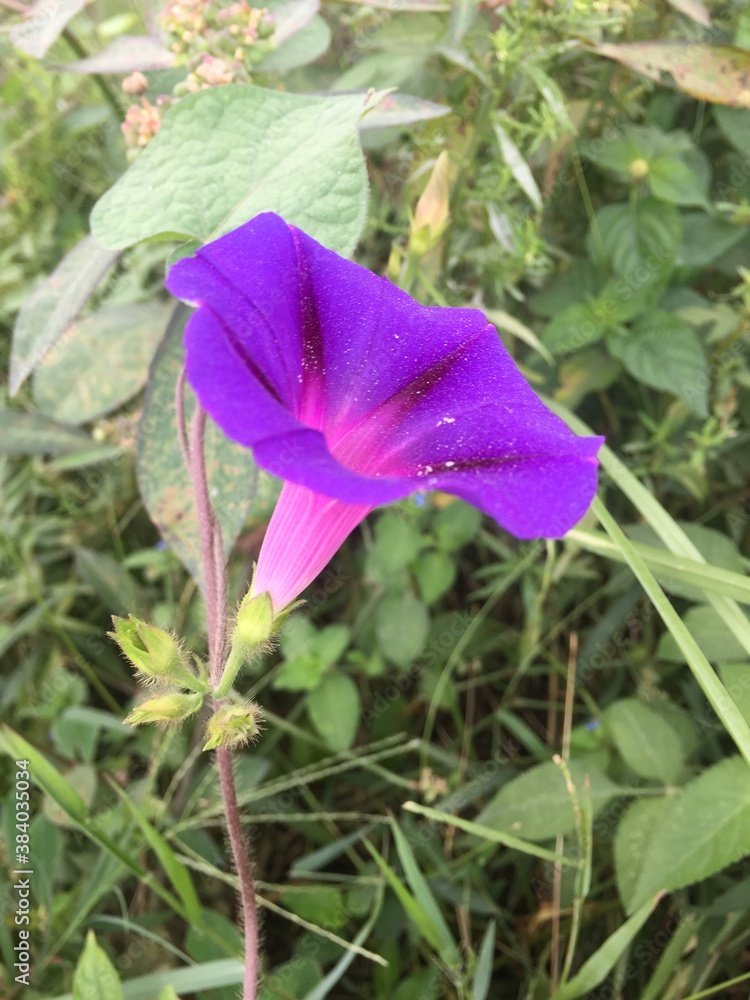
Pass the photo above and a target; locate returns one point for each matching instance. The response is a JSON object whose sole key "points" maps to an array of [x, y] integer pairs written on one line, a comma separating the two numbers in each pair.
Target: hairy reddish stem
{"points": [[215, 594], [244, 865]]}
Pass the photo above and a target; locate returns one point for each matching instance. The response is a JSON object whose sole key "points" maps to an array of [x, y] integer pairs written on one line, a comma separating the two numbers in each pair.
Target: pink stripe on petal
{"points": [[305, 532]]}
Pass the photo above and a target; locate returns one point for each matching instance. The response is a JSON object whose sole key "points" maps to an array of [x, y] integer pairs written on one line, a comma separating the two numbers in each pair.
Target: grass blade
{"points": [[595, 970], [423, 894], [664, 564], [487, 833], [663, 524], [703, 672]]}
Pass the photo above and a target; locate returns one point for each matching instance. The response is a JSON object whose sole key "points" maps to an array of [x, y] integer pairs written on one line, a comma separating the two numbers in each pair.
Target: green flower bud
{"points": [[638, 169], [255, 624], [254, 628], [155, 653], [233, 726], [431, 213], [166, 709]]}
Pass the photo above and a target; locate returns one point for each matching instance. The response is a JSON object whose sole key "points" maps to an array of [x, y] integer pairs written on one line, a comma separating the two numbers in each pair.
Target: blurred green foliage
{"points": [[600, 219]]}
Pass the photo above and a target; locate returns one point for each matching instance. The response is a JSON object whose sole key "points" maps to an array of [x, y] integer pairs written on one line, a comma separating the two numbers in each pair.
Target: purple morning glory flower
{"points": [[357, 396]]}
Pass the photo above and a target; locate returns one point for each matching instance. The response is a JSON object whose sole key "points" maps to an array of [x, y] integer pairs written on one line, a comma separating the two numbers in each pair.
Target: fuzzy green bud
{"points": [[233, 726], [431, 212], [254, 621], [155, 653], [254, 628], [638, 169], [167, 709]]}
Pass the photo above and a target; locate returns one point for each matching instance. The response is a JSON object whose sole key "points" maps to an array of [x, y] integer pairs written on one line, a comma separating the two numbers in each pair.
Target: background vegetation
{"points": [[414, 837]]}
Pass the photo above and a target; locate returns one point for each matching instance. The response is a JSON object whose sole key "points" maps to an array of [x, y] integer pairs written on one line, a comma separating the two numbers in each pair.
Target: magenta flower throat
{"points": [[357, 395]]}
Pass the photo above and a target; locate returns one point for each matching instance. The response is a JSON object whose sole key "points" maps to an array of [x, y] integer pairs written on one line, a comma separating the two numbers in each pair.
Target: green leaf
{"points": [[304, 47], [417, 916], [448, 951], [512, 325], [735, 126], [619, 152], [706, 72], [736, 679], [585, 372], [46, 313], [595, 970], [188, 980], [703, 828], [331, 642], [294, 978], [176, 872], [721, 554], [300, 673], [422, 985], [401, 626], [664, 352], [537, 806], [124, 54], [696, 10], [518, 167], [677, 574], [110, 581], [311, 654], [580, 280], [43, 24], [675, 181], [634, 834], [712, 688], [320, 904], [480, 986], [705, 240], [334, 708], [164, 481], [396, 545], [489, 835], [395, 110], [44, 774], [456, 524], [101, 362], [622, 300], [677, 542], [575, 327], [435, 572], [643, 235], [646, 741], [82, 780], [323, 985], [715, 640], [168, 993], [228, 153], [30, 434], [95, 976]]}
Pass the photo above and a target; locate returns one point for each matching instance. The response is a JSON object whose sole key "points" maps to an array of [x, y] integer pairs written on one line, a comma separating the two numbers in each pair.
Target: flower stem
{"points": [[215, 591], [243, 863]]}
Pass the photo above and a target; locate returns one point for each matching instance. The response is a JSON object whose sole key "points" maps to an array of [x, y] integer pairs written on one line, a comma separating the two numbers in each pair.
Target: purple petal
{"points": [[344, 385]]}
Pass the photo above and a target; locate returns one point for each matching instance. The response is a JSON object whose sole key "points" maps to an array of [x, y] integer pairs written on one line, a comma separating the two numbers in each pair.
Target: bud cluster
{"points": [[217, 44], [142, 121], [159, 658]]}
